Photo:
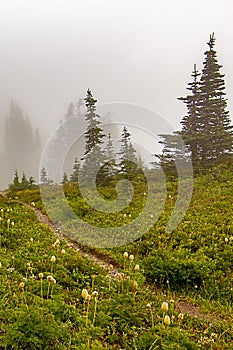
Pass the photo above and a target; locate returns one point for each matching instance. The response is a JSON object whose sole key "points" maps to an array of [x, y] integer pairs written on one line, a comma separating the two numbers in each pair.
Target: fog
{"points": [[138, 52]]}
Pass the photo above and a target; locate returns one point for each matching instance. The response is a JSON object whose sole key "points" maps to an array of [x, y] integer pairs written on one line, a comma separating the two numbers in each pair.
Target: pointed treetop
{"points": [[90, 101], [211, 41]]}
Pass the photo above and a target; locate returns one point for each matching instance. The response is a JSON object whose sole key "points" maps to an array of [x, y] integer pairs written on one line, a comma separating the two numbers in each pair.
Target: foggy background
{"points": [[139, 52]]}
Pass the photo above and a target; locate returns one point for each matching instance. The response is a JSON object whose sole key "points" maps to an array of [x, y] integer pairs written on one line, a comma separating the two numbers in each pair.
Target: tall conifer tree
{"points": [[207, 129], [216, 132], [190, 131], [93, 155]]}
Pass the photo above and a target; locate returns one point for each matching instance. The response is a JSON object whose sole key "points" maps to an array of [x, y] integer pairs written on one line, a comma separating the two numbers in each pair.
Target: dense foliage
{"points": [[192, 265]]}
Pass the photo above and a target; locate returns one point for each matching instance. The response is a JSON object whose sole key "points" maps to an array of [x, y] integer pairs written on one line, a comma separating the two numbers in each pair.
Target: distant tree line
{"points": [[23, 183], [99, 160], [22, 146], [206, 136]]}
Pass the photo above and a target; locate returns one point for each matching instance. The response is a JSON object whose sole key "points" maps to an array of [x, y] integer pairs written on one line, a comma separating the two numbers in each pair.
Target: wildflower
{"points": [[130, 215], [148, 305], [164, 306], [53, 259], [137, 267], [120, 277], [231, 238], [53, 281], [41, 275], [88, 298], [21, 286], [226, 239], [12, 224], [131, 257], [125, 255], [63, 251], [167, 320], [95, 294], [49, 278], [84, 294], [180, 316], [135, 284], [31, 239], [0, 265], [57, 242]]}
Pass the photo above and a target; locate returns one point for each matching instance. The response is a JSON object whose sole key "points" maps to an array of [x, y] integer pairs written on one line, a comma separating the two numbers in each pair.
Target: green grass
{"points": [[192, 265]]}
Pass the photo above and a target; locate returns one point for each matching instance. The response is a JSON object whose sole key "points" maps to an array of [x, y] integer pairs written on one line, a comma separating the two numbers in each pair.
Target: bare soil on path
{"points": [[104, 260]]}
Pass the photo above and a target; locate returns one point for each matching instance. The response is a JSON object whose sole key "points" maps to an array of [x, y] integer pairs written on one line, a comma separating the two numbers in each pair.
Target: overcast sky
{"points": [[134, 51]]}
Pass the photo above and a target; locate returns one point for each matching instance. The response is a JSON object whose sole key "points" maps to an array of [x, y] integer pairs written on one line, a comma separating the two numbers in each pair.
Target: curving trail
{"points": [[104, 260]]}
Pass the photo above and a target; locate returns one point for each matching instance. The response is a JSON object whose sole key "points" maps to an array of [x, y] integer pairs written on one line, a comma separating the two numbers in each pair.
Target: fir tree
{"points": [[65, 178], [44, 177], [109, 168], [16, 182], [190, 131], [127, 154], [93, 155], [216, 137], [75, 173], [94, 133], [24, 182], [174, 152], [206, 129], [70, 111]]}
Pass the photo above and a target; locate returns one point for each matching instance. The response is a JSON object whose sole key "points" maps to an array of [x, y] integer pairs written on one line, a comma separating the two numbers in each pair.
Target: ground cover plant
{"points": [[51, 297]]}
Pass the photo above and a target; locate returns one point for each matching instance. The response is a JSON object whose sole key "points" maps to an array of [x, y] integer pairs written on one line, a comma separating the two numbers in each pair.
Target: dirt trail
{"points": [[104, 260], [101, 259]]}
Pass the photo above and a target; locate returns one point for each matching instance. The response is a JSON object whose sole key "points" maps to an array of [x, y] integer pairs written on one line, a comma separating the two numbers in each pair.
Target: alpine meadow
{"points": [[80, 265]]}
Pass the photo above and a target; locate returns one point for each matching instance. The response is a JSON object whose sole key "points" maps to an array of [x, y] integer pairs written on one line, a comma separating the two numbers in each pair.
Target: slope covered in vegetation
{"points": [[173, 290]]}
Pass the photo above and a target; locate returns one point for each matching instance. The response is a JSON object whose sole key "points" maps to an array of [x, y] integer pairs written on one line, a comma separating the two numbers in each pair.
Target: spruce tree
{"points": [[216, 137], [109, 169], [207, 130], [16, 182], [127, 154], [173, 153], [70, 111], [93, 155], [65, 178], [44, 180], [75, 173], [190, 131], [24, 182], [94, 133]]}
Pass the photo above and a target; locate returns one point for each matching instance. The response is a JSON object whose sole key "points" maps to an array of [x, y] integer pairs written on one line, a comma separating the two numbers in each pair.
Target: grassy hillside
{"points": [[189, 269]]}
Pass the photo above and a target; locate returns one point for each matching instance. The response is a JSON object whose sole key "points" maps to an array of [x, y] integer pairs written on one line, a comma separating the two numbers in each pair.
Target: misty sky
{"points": [[134, 51]]}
